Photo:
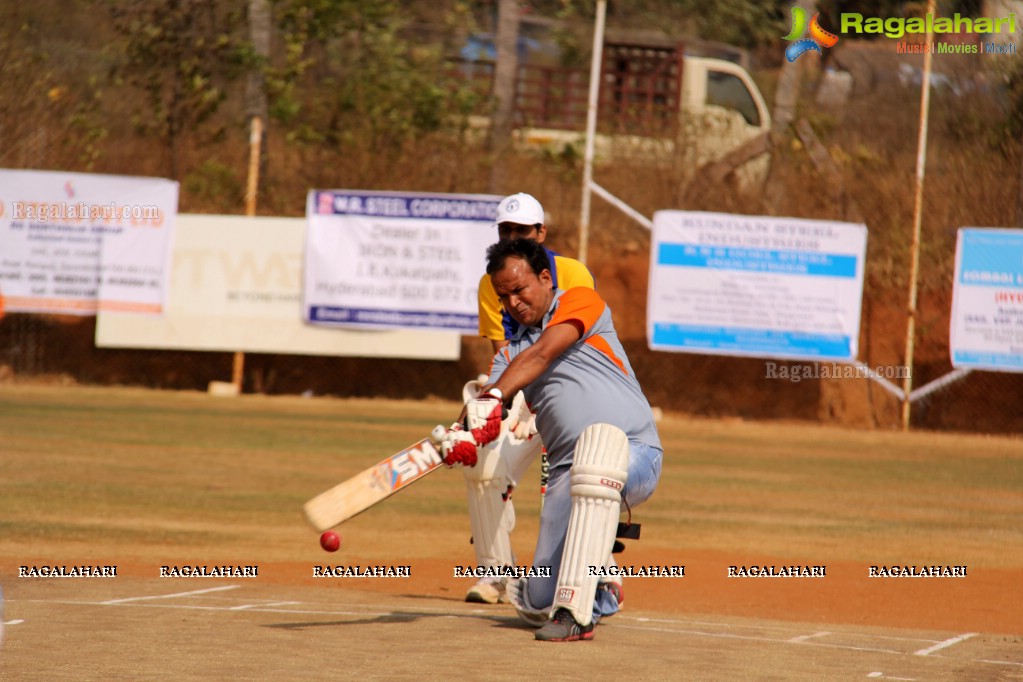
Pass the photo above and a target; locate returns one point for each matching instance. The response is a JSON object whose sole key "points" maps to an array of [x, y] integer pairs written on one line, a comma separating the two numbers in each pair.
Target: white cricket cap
{"points": [[521, 209]]}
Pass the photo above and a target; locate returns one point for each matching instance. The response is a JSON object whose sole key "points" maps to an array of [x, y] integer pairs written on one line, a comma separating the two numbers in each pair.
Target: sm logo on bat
{"points": [[409, 465]]}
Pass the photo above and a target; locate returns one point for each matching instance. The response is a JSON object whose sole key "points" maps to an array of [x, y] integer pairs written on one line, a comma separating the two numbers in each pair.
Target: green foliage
{"points": [[42, 99], [1012, 76], [183, 55], [743, 23], [739, 22], [85, 124], [20, 62], [215, 185], [349, 77]]}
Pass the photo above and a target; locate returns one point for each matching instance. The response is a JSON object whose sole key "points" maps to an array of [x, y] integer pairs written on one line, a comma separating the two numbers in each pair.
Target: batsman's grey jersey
{"points": [[591, 382]]}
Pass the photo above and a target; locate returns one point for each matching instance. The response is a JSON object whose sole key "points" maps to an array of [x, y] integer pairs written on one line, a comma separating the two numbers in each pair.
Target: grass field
{"points": [[141, 479]]}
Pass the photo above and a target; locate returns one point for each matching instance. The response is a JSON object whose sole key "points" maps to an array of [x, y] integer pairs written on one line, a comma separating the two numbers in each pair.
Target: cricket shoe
{"points": [[562, 627], [489, 590]]}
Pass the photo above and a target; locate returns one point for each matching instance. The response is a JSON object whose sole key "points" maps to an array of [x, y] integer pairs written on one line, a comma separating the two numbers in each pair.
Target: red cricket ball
{"points": [[330, 541]]}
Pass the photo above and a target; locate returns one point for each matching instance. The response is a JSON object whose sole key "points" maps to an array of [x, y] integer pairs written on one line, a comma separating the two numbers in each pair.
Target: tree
{"points": [[782, 117], [260, 33], [183, 55], [256, 106], [505, 72], [350, 78]]}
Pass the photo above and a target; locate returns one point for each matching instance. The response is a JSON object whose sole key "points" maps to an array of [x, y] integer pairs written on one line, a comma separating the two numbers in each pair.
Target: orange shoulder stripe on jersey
{"points": [[582, 304], [505, 353], [585, 306], [601, 344]]}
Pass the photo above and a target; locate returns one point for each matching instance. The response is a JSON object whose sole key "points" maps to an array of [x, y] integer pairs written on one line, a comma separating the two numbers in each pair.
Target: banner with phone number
{"points": [[987, 300], [396, 260], [75, 243], [755, 286]]}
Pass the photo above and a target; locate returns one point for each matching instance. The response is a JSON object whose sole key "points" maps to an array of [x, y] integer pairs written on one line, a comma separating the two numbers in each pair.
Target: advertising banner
{"points": [[75, 243], [987, 300], [755, 286], [392, 260], [236, 285]]}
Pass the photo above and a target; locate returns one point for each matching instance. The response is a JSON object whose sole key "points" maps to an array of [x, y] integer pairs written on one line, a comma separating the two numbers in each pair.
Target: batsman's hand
{"points": [[483, 416], [521, 421], [458, 447]]}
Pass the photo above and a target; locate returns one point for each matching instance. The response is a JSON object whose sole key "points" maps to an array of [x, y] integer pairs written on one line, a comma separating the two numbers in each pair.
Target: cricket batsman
{"points": [[594, 420], [504, 461]]}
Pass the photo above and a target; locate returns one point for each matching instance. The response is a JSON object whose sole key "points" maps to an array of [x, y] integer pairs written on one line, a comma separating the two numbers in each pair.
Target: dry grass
{"points": [[128, 474]]}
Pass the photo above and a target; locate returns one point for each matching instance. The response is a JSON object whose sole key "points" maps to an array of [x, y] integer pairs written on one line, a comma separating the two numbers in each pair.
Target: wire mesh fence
{"points": [[61, 350]]}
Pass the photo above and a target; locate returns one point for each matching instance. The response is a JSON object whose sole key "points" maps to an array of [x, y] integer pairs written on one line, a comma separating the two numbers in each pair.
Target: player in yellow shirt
{"points": [[502, 464]]}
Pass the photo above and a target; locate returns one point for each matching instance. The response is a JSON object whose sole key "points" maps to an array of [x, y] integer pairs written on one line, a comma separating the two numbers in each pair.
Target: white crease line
{"points": [[945, 644], [255, 606], [619, 624], [727, 635], [131, 602], [254, 609], [170, 596], [739, 626], [897, 639], [765, 628], [803, 638], [14, 622]]}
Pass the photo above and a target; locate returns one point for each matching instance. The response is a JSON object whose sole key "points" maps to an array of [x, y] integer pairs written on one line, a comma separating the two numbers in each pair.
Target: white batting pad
{"points": [[490, 516], [519, 451], [518, 595], [501, 463], [598, 475]]}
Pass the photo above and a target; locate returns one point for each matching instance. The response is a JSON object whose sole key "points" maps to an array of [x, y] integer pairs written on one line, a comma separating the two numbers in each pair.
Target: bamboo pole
{"points": [[251, 191], [918, 202]]}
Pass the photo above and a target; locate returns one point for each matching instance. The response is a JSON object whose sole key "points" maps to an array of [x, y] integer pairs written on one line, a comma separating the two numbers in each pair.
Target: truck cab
{"points": [[657, 104], [722, 110]]}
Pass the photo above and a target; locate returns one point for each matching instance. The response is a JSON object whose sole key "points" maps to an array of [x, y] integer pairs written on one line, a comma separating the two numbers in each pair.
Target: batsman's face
{"points": [[508, 231], [526, 295]]}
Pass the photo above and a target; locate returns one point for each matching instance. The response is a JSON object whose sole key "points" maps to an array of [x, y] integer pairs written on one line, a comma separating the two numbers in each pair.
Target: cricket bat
{"points": [[360, 492]]}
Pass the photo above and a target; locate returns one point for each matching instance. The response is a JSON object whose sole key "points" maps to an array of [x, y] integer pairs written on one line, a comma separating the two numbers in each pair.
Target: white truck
{"points": [[656, 103]]}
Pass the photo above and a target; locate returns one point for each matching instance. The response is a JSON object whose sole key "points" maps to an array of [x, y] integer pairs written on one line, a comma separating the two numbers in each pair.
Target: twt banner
{"points": [[755, 286], [987, 300], [236, 285], [76, 243], [396, 260]]}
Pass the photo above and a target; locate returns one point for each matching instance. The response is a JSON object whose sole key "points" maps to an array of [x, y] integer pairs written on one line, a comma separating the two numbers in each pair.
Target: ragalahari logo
{"points": [[818, 36]]}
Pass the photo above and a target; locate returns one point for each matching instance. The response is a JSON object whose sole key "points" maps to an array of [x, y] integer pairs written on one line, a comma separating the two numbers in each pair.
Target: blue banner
{"points": [[991, 259], [416, 206], [758, 260], [756, 342], [392, 318]]}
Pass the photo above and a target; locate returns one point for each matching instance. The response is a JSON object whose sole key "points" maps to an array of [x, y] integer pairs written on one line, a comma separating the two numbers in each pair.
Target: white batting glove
{"points": [[521, 421], [483, 416], [524, 430]]}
